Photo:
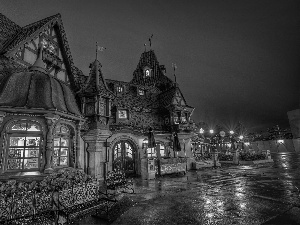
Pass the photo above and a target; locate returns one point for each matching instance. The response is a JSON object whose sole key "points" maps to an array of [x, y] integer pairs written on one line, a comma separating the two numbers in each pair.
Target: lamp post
{"points": [[279, 142]]}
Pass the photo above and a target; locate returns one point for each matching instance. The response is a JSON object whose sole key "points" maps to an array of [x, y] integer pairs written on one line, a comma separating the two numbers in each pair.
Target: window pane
{"points": [[14, 164], [63, 161], [64, 142], [32, 141], [19, 126], [15, 152], [55, 161], [56, 141], [122, 114], [31, 163], [16, 141], [33, 127], [64, 152], [55, 151], [31, 153]]}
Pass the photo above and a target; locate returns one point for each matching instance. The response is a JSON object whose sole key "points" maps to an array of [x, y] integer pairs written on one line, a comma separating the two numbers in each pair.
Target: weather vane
{"points": [[174, 67], [150, 39], [99, 48]]}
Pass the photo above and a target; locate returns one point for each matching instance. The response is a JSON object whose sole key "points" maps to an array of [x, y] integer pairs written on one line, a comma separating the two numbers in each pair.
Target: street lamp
{"points": [[211, 131], [241, 137], [201, 131], [231, 132]]}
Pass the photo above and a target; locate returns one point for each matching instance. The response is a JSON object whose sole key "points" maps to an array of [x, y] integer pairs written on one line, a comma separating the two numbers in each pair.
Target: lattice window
{"points": [[24, 144], [61, 149]]}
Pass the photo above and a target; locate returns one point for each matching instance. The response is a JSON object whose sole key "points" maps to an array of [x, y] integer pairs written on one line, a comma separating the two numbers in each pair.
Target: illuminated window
{"points": [[147, 73], [162, 150], [151, 152], [141, 92], [119, 89], [122, 114], [61, 150], [24, 146]]}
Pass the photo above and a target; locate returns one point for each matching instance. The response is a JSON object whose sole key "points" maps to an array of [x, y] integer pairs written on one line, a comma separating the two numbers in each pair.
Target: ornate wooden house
{"points": [[53, 116]]}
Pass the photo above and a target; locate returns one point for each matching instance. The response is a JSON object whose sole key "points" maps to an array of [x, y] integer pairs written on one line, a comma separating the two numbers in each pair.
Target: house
{"points": [[53, 116]]}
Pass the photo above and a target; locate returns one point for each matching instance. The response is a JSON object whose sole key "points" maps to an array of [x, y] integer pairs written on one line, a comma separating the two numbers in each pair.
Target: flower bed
{"points": [[252, 157], [21, 201], [224, 157], [116, 180], [203, 157]]}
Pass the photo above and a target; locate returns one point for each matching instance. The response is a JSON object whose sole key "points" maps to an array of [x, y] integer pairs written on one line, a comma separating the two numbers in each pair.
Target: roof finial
{"points": [[174, 67], [145, 47], [98, 48], [39, 64], [150, 39]]}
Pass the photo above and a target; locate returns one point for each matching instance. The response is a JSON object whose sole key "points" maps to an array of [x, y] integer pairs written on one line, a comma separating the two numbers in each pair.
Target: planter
{"points": [[256, 162], [204, 164]]}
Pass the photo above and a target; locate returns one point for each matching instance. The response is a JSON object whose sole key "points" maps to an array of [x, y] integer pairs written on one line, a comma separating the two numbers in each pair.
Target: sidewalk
{"points": [[233, 195]]}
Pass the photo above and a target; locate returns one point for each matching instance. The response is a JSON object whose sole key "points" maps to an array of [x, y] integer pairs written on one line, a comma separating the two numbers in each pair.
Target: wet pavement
{"points": [[256, 194]]}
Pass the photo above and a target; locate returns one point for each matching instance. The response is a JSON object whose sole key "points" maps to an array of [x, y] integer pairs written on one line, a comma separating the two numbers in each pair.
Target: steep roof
{"points": [[27, 31], [20, 35], [38, 91], [95, 83], [8, 30], [157, 78]]}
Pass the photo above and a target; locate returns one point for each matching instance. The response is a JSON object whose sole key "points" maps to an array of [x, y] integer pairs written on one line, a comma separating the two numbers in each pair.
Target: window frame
{"points": [[23, 133], [67, 136]]}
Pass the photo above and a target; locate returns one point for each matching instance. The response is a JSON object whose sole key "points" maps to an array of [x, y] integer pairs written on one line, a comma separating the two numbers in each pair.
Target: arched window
{"points": [[24, 143], [61, 151]]}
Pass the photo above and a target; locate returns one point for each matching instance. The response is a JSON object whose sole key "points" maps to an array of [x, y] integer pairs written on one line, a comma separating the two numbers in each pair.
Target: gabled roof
{"points": [[148, 59], [8, 30], [26, 32], [95, 83], [21, 35]]}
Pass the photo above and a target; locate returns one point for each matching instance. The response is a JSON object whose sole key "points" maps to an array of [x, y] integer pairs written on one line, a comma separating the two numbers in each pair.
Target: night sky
{"points": [[236, 60]]}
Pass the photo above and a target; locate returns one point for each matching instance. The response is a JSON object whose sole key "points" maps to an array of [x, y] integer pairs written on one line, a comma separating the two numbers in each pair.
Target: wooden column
{"points": [[51, 121]]}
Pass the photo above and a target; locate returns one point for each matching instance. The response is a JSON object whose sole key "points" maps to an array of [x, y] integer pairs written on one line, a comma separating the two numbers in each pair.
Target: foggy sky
{"points": [[236, 60]]}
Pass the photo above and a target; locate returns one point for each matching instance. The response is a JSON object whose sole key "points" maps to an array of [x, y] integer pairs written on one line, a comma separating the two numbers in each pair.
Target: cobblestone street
{"points": [[258, 194]]}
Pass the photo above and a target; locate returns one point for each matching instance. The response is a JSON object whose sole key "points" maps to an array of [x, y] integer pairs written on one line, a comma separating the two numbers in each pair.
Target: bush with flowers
{"points": [[116, 180], [225, 157], [18, 197], [247, 156], [203, 157]]}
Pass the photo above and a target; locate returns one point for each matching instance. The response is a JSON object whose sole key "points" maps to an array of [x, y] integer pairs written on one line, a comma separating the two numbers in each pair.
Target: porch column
{"points": [[96, 150], [78, 152], [51, 121]]}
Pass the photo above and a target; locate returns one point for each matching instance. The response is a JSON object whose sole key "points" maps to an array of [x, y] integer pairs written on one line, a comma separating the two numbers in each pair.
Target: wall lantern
{"points": [[145, 143], [280, 141]]}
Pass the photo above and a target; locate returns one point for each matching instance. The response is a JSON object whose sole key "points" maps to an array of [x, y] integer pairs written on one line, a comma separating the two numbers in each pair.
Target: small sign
{"points": [[222, 133]]}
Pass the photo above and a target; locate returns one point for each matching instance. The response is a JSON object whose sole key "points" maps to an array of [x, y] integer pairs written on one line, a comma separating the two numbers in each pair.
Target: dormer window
{"points": [[147, 73], [141, 92], [119, 89]]}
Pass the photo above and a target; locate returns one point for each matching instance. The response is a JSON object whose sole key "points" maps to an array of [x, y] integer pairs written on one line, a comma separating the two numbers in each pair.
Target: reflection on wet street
{"points": [[256, 194]]}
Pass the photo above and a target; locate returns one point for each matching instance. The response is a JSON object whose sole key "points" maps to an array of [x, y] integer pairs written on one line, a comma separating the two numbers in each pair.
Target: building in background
{"points": [[53, 116]]}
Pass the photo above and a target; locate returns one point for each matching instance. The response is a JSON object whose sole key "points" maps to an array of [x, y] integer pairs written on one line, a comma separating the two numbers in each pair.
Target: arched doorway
{"points": [[124, 157]]}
